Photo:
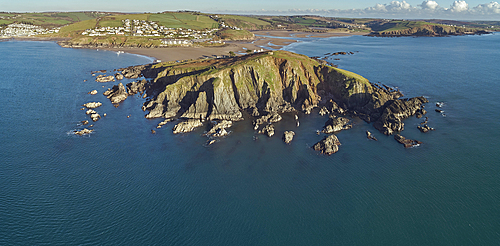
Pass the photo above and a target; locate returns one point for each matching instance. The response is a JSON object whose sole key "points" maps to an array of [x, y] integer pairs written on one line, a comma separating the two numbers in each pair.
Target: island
{"points": [[262, 86]]}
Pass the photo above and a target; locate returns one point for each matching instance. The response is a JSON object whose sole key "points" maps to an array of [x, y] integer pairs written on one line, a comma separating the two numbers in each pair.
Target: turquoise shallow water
{"points": [[124, 186]]}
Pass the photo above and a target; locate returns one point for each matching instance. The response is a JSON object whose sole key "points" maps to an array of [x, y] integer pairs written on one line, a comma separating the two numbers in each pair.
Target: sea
{"points": [[123, 185]]}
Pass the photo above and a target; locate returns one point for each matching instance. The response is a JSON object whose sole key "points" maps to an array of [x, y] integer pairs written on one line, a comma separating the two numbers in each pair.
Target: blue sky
{"points": [[450, 9]]}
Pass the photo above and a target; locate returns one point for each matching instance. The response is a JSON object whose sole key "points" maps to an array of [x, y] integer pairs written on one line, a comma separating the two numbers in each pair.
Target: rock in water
{"points": [[186, 126], [391, 119], [219, 129], [267, 130], [408, 143], [103, 78], [118, 76], [336, 124], [369, 135], [82, 132], [95, 117], [329, 145], [288, 136], [93, 92], [92, 105], [425, 128], [116, 94]]}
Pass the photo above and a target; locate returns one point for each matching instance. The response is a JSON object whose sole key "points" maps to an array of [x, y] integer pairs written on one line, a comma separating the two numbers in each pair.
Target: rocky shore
{"points": [[263, 86]]}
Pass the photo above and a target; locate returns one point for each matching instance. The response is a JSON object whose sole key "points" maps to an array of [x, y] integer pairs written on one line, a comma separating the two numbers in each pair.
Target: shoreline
{"points": [[266, 40]]}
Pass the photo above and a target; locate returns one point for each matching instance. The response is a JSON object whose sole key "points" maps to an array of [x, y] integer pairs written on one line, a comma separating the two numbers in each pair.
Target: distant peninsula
{"points": [[262, 86]]}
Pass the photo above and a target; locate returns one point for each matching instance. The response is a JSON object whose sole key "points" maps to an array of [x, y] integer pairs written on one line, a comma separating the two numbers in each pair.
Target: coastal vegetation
{"points": [[148, 27]]}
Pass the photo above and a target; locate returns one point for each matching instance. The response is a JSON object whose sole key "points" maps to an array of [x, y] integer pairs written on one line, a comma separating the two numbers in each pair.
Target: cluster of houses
{"points": [[150, 29], [20, 30], [222, 23]]}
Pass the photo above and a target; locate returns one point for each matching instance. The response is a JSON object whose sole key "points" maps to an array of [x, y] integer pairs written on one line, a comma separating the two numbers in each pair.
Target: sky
{"points": [[410, 9]]}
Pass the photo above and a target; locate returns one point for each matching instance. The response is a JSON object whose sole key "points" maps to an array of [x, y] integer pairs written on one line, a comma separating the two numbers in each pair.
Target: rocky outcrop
{"points": [[425, 128], [186, 126], [369, 135], [288, 136], [329, 145], [92, 105], [116, 94], [391, 120], [119, 76], [265, 85], [219, 129], [267, 130], [429, 30], [93, 92], [408, 143], [103, 78], [268, 118], [132, 72], [84, 131], [335, 124]]}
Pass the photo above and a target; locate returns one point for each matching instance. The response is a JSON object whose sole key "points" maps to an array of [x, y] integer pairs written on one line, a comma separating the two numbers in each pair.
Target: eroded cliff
{"points": [[261, 84]]}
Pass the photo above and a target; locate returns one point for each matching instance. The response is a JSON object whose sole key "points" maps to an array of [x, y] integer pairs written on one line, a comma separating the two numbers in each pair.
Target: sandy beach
{"points": [[272, 39]]}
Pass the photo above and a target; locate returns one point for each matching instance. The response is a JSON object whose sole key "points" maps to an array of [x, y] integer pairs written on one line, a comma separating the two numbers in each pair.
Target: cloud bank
{"points": [[401, 9]]}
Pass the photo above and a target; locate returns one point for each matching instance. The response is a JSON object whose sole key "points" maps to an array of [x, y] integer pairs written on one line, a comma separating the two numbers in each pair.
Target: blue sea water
{"points": [[123, 185]]}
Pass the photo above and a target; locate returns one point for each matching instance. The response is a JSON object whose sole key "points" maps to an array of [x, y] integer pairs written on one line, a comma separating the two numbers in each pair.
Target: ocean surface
{"points": [[122, 185]]}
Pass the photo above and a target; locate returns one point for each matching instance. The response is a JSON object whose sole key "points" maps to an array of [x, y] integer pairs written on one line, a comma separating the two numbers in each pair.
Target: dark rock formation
{"points": [[219, 129], [369, 135], [335, 124], [391, 119], [328, 145], [116, 94], [288, 136], [265, 85], [132, 72], [408, 143], [425, 128]]}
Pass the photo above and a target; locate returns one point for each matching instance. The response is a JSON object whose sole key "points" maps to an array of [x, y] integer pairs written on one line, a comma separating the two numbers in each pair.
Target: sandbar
{"points": [[266, 40]]}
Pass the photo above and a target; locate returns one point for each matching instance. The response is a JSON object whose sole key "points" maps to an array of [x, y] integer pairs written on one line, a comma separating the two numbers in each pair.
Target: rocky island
{"points": [[262, 86]]}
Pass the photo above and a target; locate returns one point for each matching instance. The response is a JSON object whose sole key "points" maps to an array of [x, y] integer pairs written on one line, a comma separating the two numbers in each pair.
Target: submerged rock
{"points": [[329, 145]]}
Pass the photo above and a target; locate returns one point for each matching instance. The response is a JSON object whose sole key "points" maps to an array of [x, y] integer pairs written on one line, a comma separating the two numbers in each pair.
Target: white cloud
{"points": [[459, 6], [394, 6], [429, 5], [459, 10], [488, 8]]}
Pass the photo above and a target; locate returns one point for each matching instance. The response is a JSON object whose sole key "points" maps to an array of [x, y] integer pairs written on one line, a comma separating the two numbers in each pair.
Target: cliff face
{"points": [[261, 84]]}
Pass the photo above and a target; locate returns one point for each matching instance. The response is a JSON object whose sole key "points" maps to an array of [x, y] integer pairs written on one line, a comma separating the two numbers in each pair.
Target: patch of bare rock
{"points": [[328, 145]]}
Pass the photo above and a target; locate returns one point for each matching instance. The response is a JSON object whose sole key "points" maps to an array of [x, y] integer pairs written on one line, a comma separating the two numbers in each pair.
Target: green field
{"points": [[184, 20], [244, 22]]}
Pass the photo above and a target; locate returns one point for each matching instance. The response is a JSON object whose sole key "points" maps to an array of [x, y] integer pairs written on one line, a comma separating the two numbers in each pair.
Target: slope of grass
{"points": [[184, 20]]}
